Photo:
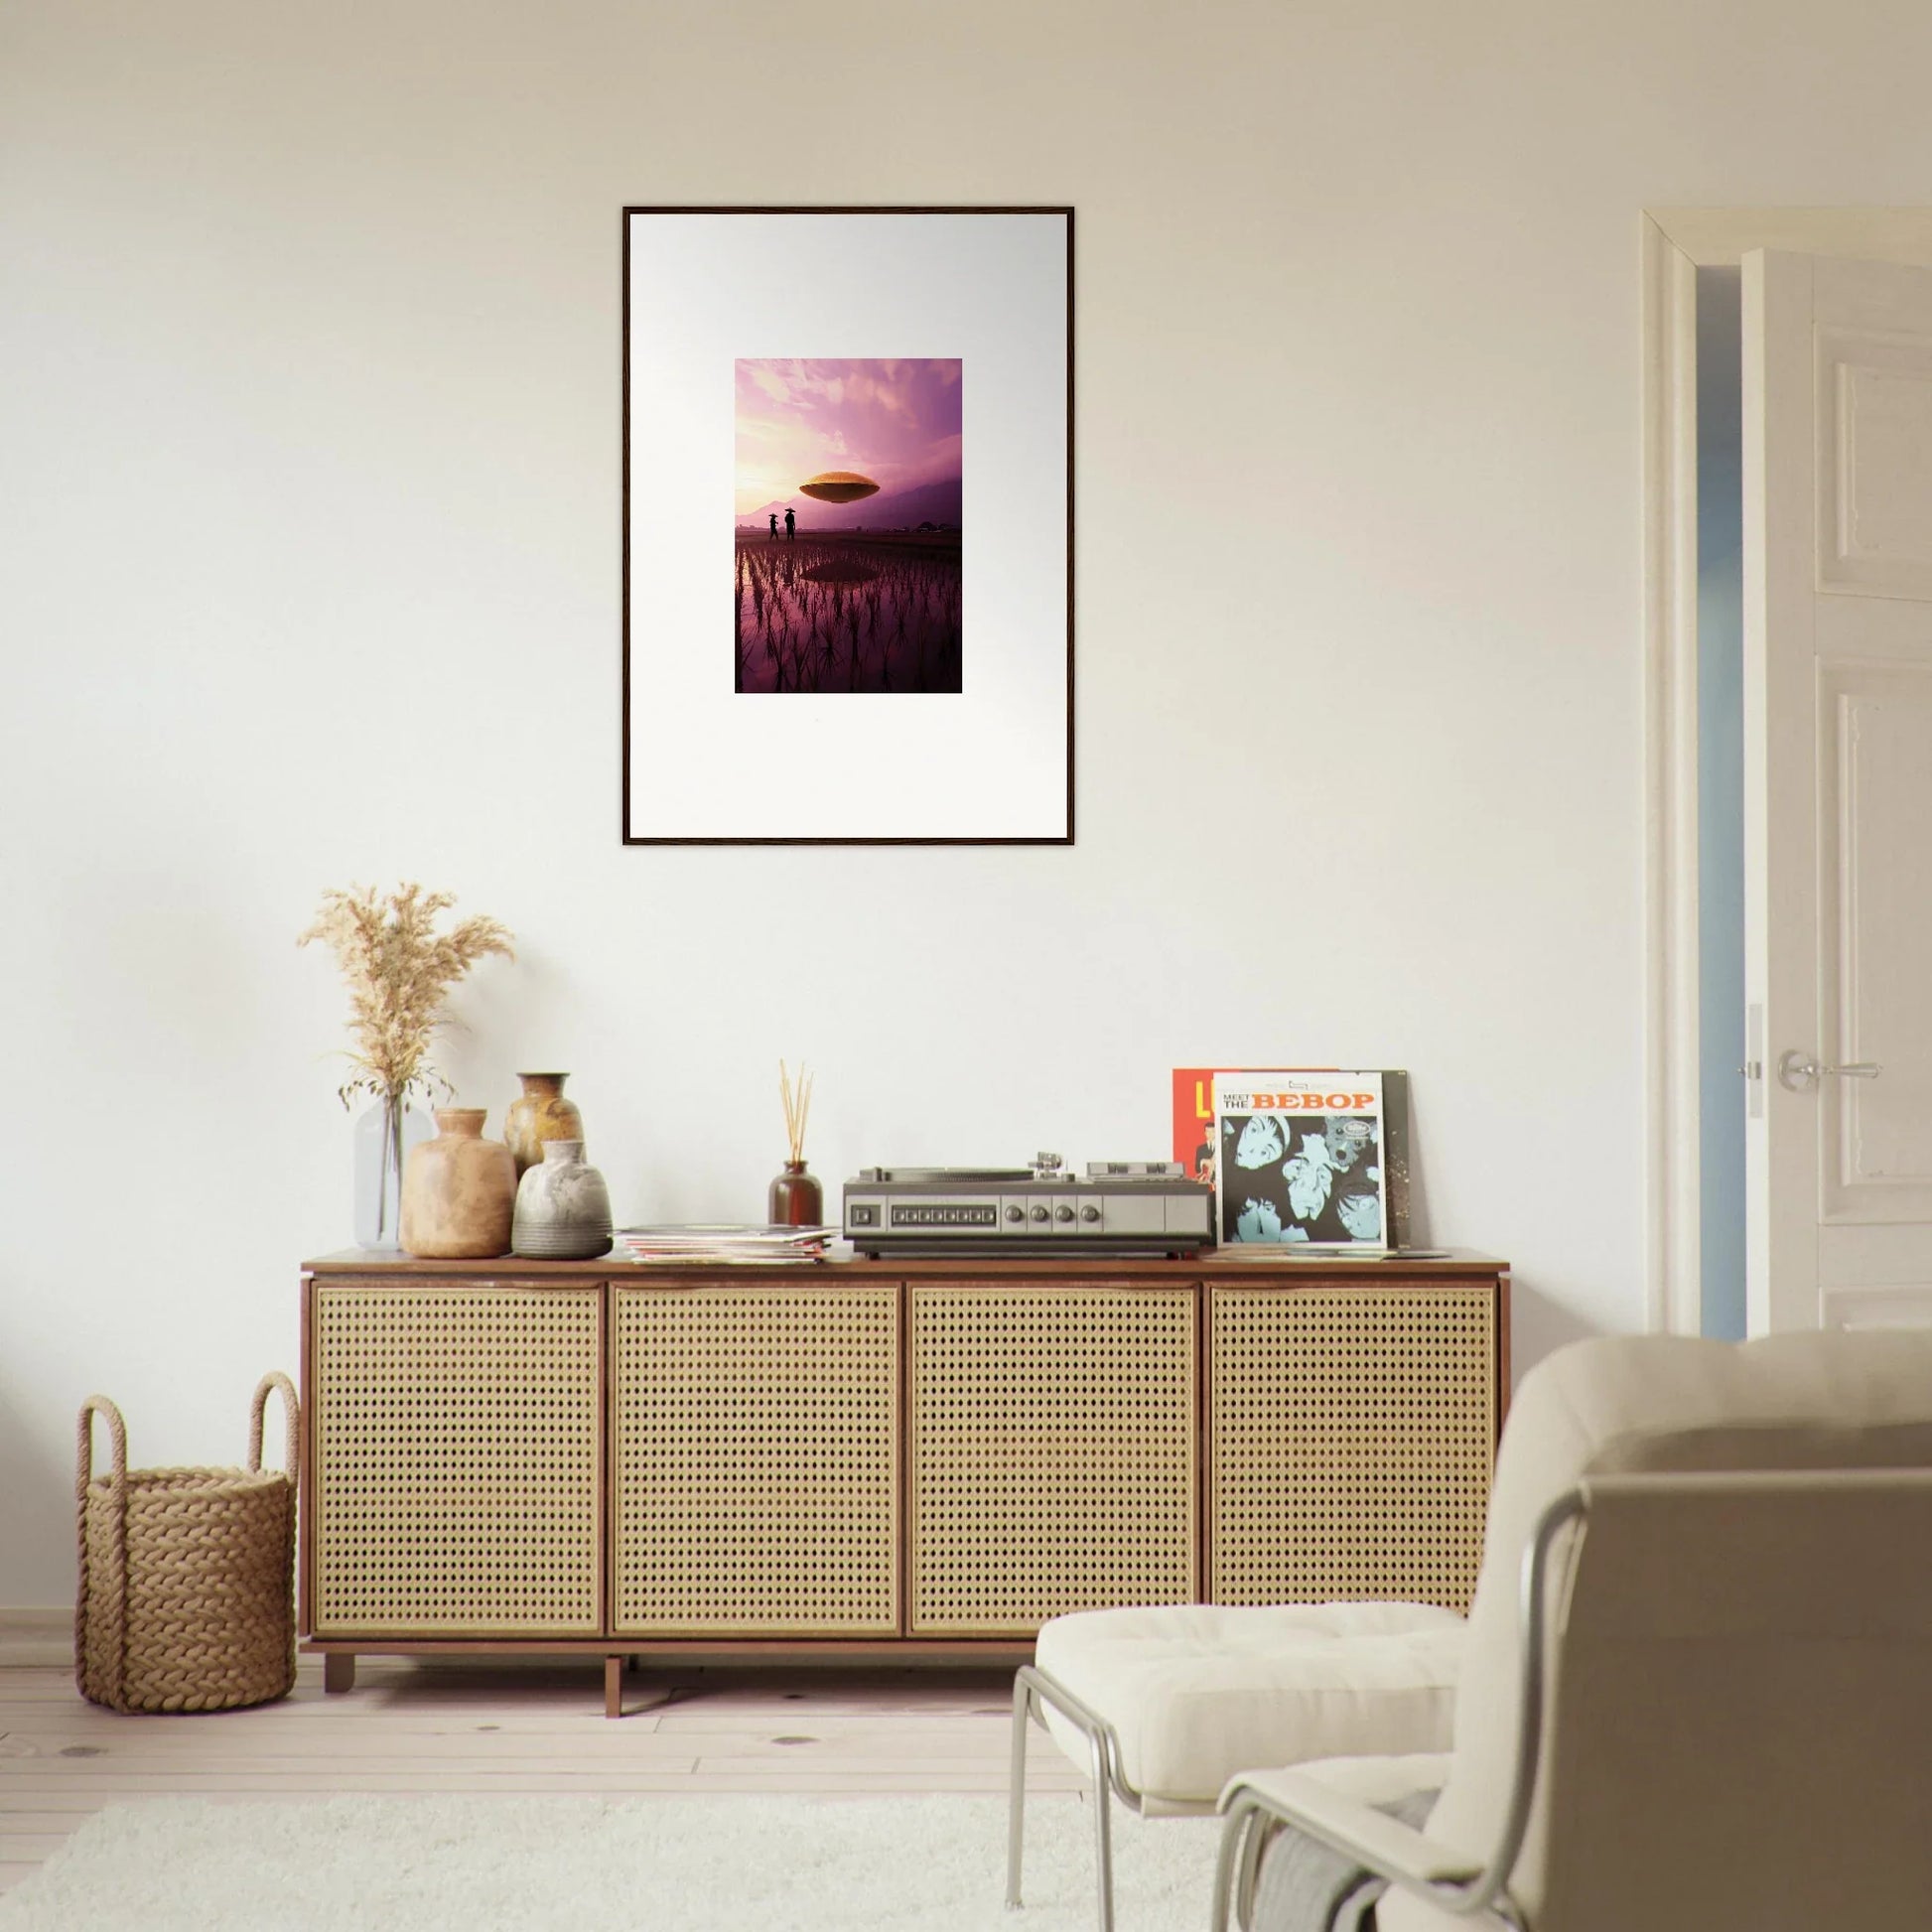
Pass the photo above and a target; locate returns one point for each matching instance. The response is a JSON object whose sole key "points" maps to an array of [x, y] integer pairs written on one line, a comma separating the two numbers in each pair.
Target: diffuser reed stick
{"points": [[797, 1100]]}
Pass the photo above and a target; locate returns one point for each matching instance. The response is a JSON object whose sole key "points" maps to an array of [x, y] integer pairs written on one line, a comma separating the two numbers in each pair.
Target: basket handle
{"points": [[113, 1586], [291, 1412], [98, 1405]]}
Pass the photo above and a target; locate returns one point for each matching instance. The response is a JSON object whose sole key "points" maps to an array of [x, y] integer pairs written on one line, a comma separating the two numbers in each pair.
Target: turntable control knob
{"points": [[1089, 1213], [1039, 1213], [1014, 1212], [1063, 1212]]}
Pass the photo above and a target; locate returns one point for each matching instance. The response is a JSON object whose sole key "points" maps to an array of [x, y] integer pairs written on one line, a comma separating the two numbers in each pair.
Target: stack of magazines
{"points": [[725, 1241]]}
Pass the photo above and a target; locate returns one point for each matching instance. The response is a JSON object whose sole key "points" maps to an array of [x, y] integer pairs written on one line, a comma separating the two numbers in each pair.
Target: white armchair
{"points": [[1697, 1694]]}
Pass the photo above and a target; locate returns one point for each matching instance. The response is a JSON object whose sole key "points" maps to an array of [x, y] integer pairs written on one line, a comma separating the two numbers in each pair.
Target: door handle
{"points": [[1799, 1071]]}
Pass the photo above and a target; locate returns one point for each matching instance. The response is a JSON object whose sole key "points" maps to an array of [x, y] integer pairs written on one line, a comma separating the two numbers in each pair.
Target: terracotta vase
{"points": [[539, 1114], [458, 1192], [563, 1209], [795, 1199]]}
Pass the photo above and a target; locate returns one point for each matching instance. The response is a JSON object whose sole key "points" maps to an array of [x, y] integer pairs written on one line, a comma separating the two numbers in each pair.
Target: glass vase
{"points": [[384, 1134]]}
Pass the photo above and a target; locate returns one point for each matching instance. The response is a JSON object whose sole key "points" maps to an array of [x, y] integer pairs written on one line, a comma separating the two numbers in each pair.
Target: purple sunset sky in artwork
{"points": [[895, 421]]}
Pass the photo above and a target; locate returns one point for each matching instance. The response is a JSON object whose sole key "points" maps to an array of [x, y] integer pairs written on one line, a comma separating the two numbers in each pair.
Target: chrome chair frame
{"points": [[1254, 1817], [1033, 1689]]}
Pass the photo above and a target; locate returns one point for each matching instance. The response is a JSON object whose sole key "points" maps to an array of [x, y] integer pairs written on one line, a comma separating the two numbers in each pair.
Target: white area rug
{"points": [[582, 1864]]}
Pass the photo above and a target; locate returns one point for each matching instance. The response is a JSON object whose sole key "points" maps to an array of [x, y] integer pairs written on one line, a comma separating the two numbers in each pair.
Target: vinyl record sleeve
{"points": [[1198, 1145]]}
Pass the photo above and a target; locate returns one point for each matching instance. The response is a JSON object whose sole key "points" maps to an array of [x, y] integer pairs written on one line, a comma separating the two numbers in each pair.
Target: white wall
{"points": [[308, 440]]}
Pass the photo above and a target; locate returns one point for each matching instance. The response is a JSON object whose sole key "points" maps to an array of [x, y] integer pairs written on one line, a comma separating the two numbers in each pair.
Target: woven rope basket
{"points": [[185, 1600]]}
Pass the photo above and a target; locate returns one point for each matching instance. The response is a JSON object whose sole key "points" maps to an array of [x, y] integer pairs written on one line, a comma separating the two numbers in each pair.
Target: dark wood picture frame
{"points": [[632, 835]]}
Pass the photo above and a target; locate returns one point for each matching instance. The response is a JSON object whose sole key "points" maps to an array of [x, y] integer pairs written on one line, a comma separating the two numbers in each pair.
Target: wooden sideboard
{"points": [[914, 1459]]}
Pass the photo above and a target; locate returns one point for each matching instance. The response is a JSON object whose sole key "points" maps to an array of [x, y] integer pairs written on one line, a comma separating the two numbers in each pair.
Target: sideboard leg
{"points": [[337, 1671], [613, 1686]]}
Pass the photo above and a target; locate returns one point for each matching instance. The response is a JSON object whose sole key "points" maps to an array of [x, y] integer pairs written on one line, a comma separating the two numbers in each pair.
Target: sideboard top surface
{"points": [[1455, 1264]]}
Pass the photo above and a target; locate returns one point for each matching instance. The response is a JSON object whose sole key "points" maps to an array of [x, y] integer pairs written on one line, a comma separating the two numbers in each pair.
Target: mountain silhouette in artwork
{"points": [[933, 502]]}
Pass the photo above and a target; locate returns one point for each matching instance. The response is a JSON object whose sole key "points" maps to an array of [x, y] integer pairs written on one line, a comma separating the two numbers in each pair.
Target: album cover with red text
{"points": [[1298, 1171]]}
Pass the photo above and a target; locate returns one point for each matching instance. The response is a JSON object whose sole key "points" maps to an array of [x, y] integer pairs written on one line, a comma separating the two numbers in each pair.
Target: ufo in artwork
{"points": [[838, 486]]}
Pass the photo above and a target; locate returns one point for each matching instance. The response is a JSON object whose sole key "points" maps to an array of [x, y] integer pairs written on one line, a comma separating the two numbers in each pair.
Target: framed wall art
{"points": [[847, 525]]}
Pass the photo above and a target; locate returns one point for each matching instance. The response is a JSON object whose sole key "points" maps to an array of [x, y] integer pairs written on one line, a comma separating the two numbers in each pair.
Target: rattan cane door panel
{"points": [[456, 1459], [1053, 1465], [755, 1444], [1351, 1437]]}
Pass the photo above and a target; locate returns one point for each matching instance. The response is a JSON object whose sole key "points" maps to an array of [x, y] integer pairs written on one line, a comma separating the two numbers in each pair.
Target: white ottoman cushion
{"points": [[1197, 1691]]}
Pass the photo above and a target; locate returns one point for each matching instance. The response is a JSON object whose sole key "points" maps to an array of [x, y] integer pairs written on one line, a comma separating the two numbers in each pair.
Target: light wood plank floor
{"points": [[486, 1727]]}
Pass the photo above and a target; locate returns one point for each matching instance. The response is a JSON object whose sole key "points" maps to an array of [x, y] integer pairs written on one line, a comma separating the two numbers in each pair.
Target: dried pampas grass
{"points": [[398, 970]]}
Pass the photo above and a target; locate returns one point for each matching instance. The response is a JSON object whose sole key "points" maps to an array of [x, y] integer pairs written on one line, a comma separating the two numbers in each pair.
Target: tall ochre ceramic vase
{"points": [[540, 1113], [458, 1192]]}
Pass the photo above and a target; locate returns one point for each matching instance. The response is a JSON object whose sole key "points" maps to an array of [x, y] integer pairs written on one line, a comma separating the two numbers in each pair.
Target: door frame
{"points": [[1675, 244]]}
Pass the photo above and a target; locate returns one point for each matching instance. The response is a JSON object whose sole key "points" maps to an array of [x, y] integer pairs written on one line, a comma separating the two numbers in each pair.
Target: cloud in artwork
{"points": [[894, 420]]}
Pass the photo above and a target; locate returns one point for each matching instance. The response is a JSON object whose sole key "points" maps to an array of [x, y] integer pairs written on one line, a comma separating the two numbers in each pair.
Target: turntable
{"points": [[1118, 1207]]}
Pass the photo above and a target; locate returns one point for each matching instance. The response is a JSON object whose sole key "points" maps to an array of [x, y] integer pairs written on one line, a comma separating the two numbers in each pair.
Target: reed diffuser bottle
{"points": [[795, 1199]]}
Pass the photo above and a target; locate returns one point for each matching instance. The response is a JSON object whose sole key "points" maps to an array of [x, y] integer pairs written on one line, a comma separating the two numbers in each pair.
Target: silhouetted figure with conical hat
{"points": [[775, 527], [792, 533]]}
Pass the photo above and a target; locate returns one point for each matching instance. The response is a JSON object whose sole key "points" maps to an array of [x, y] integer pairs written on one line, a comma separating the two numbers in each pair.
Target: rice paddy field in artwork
{"points": [[849, 610]]}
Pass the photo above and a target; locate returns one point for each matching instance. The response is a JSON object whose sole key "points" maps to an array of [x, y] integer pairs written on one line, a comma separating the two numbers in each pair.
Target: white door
{"points": [[1837, 790]]}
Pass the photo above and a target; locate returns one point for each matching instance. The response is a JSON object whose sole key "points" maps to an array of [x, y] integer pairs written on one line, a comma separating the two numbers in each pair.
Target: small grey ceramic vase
{"points": [[563, 1209]]}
